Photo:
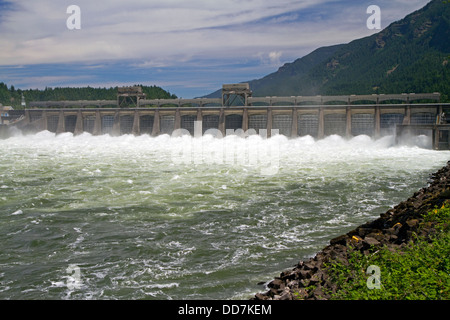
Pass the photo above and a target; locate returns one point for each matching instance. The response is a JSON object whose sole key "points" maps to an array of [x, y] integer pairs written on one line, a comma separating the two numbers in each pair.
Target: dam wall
{"points": [[291, 121], [237, 111]]}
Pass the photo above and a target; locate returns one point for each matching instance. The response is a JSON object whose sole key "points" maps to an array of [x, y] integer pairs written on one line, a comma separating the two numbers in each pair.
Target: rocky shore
{"points": [[308, 280]]}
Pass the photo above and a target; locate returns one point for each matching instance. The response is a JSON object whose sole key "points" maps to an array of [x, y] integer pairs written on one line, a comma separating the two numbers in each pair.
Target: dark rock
{"points": [[293, 284], [378, 235], [371, 241], [273, 292], [445, 194], [362, 232], [393, 238], [261, 296], [288, 275], [304, 274], [277, 284], [310, 265], [315, 279], [286, 295], [412, 223], [318, 294], [339, 240]]}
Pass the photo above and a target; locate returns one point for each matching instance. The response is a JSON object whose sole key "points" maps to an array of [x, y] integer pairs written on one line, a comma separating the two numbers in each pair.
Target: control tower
{"points": [[235, 94], [128, 97]]}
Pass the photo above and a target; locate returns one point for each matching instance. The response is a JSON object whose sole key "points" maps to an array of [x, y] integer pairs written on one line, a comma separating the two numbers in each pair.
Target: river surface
{"points": [[100, 217]]}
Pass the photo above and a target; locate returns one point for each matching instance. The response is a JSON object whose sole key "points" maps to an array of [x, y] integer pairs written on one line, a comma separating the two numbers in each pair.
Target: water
{"points": [[100, 217]]}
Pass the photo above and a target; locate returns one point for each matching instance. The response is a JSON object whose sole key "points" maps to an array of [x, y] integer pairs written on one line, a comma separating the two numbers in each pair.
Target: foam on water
{"points": [[182, 217]]}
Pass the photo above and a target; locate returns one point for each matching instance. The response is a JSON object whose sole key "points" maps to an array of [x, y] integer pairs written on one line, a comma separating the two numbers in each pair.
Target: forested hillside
{"points": [[410, 55], [13, 97]]}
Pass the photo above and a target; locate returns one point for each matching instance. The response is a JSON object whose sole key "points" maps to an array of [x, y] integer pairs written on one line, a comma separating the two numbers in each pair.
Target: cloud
{"points": [[148, 30], [163, 32], [285, 18], [275, 56], [175, 41]]}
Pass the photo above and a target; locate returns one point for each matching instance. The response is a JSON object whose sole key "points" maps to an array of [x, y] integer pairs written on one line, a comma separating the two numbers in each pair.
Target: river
{"points": [[101, 217]]}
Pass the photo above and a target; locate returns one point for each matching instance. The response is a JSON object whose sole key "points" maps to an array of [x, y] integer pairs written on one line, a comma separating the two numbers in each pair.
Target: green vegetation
{"points": [[418, 271], [12, 96]]}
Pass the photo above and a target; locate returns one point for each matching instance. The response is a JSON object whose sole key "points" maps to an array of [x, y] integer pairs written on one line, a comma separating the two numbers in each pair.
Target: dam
{"points": [[374, 115], [139, 219]]}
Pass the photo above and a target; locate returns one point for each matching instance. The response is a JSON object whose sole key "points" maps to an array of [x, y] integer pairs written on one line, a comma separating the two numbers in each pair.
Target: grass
{"points": [[418, 271]]}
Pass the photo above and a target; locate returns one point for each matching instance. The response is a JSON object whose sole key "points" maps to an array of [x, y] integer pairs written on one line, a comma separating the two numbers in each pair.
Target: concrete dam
{"points": [[317, 116]]}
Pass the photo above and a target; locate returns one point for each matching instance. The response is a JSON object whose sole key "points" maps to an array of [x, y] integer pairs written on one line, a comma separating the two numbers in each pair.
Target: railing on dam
{"points": [[250, 101]]}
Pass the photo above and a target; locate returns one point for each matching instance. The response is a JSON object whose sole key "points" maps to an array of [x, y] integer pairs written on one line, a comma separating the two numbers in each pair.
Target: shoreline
{"points": [[394, 229]]}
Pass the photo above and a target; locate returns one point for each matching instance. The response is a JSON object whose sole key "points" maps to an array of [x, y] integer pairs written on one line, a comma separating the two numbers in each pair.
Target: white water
{"points": [[176, 218]]}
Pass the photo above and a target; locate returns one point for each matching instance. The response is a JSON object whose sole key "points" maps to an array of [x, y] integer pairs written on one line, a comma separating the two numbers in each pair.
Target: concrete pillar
{"points": [[156, 124], [320, 133], [348, 128], [407, 118], [79, 124], [44, 121], [198, 130], [177, 124], [116, 125], [222, 122], [377, 122], [37, 125], [398, 132], [294, 132], [97, 124], [61, 123], [245, 120], [269, 122], [436, 139], [26, 119], [136, 124]]}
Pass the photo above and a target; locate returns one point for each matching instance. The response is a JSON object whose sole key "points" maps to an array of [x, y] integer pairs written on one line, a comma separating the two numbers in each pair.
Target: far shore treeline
{"points": [[10, 96]]}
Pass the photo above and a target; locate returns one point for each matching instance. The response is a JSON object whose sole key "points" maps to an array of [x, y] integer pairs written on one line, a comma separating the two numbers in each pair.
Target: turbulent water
{"points": [[100, 217]]}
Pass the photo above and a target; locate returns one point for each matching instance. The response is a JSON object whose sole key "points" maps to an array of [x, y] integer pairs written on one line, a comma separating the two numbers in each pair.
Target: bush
{"points": [[420, 270]]}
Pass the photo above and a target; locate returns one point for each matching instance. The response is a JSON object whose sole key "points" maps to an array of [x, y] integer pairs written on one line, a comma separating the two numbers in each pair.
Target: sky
{"points": [[189, 48]]}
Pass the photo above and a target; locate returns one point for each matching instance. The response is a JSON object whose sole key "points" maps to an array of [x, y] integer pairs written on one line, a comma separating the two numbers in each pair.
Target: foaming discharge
{"points": [[264, 157], [231, 149]]}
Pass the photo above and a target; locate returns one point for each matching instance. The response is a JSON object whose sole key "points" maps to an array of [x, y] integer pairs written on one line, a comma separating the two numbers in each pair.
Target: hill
{"points": [[410, 55], [12, 96], [290, 73]]}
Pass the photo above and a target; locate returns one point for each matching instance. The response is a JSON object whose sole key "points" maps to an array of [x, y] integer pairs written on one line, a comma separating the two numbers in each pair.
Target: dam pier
{"points": [[374, 115]]}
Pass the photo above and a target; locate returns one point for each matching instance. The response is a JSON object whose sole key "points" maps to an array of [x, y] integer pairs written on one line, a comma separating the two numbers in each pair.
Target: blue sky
{"points": [[189, 48]]}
